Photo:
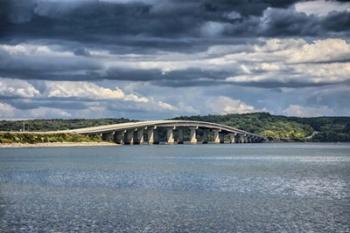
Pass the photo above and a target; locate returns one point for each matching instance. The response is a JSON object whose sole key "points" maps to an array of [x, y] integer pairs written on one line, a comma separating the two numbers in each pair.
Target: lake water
{"points": [[180, 188]]}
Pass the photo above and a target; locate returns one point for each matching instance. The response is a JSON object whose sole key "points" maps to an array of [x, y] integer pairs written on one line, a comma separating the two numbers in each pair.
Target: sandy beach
{"points": [[57, 144]]}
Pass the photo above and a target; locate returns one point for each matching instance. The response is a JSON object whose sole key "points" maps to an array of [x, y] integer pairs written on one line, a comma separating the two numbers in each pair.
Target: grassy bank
{"points": [[46, 138]]}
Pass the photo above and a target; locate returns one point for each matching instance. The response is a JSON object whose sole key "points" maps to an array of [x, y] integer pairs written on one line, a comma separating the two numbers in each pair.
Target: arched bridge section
{"points": [[170, 132]]}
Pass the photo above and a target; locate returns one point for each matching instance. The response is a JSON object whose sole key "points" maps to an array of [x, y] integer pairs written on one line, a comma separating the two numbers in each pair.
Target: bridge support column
{"points": [[140, 137], [119, 137], [216, 136], [205, 136], [249, 140], [180, 136], [152, 136], [246, 139], [130, 137], [222, 137], [193, 138], [242, 138], [170, 136], [232, 138], [108, 136]]}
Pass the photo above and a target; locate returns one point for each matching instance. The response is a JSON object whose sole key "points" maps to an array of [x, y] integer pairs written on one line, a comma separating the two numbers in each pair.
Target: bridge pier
{"points": [[246, 139], [170, 136], [180, 136], [205, 136], [232, 138], [152, 136], [119, 137], [139, 138], [107, 136], [222, 137], [243, 139], [129, 137], [193, 136], [216, 136], [240, 138], [249, 139]]}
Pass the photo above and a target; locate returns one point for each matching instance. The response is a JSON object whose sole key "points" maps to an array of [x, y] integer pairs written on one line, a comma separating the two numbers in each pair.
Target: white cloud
{"points": [[321, 7], [17, 88], [89, 90], [317, 51], [166, 106], [6, 111], [226, 105], [302, 111], [289, 60], [28, 49]]}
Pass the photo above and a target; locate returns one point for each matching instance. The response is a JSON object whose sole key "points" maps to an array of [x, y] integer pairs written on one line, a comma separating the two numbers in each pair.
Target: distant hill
{"points": [[278, 128], [282, 128]]}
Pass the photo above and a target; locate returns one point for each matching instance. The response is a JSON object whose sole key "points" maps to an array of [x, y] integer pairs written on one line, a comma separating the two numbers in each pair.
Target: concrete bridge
{"points": [[173, 131]]}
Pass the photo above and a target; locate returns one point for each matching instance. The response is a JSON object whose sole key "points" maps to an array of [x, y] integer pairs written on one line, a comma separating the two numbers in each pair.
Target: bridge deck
{"points": [[155, 124]]}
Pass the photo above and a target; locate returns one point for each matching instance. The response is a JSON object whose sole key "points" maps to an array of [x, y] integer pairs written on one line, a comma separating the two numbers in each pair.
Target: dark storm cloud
{"points": [[177, 52], [97, 21], [79, 70]]}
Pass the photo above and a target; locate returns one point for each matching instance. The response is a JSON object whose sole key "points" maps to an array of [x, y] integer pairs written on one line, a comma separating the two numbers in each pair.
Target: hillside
{"points": [[319, 129], [279, 128]]}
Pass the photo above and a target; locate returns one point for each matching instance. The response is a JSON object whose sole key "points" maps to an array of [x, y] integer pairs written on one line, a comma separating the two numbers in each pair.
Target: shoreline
{"points": [[56, 144]]}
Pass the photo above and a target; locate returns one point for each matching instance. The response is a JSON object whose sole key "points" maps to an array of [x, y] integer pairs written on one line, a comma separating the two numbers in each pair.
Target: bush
{"points": [[39, 138]]}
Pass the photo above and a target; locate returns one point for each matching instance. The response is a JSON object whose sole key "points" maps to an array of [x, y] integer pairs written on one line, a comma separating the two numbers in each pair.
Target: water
{"points": [[183, 188]]}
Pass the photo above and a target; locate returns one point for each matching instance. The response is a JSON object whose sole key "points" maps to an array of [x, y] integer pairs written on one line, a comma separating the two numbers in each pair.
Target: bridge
{"points": [[171, 131]]}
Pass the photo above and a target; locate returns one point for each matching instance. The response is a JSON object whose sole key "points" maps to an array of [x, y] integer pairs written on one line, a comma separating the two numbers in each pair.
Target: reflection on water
{"points": [[183, 188]]}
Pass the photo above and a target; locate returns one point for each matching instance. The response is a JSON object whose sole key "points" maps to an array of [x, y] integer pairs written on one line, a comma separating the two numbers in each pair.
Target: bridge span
{"points": [[170, 132]]}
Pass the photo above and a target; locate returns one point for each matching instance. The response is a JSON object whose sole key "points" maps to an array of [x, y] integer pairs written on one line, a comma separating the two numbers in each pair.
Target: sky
{"points": [[156, 59]]}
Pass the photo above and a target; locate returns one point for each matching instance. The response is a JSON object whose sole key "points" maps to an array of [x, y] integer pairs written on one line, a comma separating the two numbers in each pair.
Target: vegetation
{"points": [[277, 128], [42, 138], [56, 124], [282, 128]]}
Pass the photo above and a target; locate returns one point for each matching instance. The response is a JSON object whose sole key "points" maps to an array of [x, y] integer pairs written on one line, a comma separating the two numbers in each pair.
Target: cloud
{"points": [[226, 105], [302, 111], [89, 91], [264, 63], [233, 15], [212, 29], [321, 7], [294, 62], [7, 110], [66, 97], [82, 55], [327, 50], [170, 19], [17, 88]]}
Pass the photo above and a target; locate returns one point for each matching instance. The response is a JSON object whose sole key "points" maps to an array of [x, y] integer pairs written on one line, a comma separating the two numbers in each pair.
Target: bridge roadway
{"points": [[147, 132]]}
